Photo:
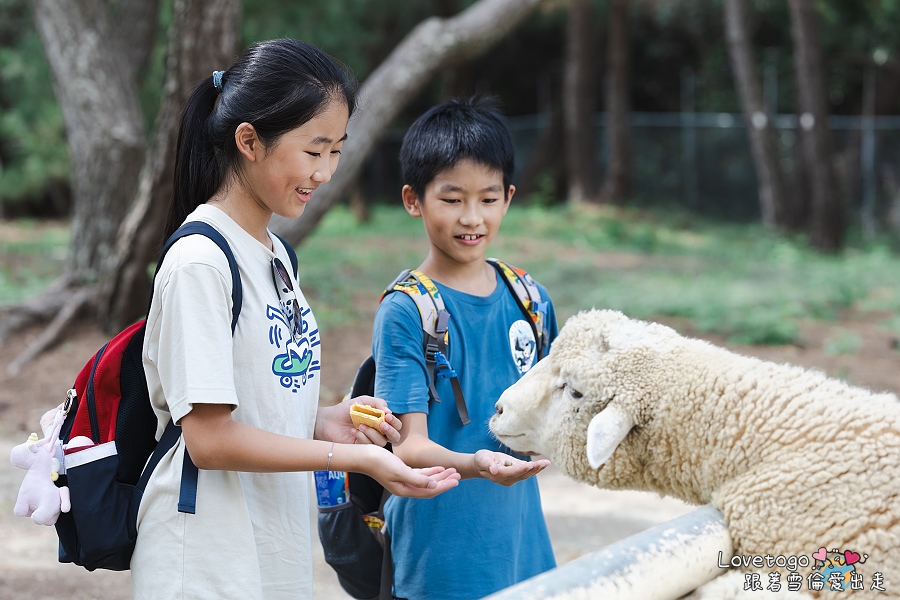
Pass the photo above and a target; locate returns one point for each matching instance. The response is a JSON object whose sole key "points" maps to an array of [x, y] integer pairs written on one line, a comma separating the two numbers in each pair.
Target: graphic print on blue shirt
{"points": [[294, 363], [522, 345]]}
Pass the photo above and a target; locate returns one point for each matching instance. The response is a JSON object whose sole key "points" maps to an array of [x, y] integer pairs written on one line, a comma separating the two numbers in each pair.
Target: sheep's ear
{"points": [[607, 430]]}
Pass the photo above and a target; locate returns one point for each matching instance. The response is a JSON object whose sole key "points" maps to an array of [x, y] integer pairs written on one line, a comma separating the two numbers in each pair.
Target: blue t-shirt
{"points": [[479, 537]]}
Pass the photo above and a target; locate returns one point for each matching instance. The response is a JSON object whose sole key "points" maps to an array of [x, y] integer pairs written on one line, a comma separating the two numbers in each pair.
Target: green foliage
{"points": [[843, 342], [32, 254], [360, 33], [32, 135], [741, 282]]}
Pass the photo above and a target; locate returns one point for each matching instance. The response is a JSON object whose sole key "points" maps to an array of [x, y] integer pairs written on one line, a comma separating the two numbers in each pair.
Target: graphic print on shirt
{"points": [[294, 364], [522, 345]]}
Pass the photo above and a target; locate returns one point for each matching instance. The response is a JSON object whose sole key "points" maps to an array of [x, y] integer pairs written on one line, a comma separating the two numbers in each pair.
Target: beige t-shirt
{"points": [[250, 535]]}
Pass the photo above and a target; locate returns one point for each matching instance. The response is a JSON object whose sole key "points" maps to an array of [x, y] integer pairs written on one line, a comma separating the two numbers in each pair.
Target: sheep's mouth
{"points": [[508, 441]]}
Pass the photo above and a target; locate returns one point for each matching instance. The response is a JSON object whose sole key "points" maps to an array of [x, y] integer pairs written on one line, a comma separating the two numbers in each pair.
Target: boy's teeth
{"points": [[469, 237]]}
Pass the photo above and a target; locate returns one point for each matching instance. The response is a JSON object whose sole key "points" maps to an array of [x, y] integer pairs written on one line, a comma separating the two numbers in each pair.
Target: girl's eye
{"points": [[335, 151], [315, 154]]}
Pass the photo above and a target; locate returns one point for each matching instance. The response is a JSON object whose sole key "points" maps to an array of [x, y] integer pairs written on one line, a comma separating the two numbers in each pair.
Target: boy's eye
{"points": [[490, 200], [335, 151], [450, 200], [315, 154]]}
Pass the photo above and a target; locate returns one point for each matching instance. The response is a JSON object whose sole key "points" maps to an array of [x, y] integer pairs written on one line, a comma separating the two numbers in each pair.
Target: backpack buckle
{"points": [[443, 370], [442, 321], [431, 349], [71, 396]]}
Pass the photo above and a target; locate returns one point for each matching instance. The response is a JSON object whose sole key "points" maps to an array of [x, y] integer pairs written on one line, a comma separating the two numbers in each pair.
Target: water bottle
{"points": [[332, 488]]}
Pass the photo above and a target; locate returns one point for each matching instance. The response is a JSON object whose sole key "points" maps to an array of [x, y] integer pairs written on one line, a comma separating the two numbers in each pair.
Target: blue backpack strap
{"points": [[528, 297], [291, 254], [187, 501]]}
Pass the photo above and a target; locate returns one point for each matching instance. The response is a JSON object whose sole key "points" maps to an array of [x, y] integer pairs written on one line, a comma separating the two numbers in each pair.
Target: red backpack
{"points": [[110, 404]]}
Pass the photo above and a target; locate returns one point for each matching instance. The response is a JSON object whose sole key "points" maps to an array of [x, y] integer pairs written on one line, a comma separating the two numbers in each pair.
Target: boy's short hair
{"points": [[470, 128]]}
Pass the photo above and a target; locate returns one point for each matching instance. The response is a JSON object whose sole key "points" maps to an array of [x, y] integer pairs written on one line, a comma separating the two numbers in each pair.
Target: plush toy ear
{"points": [[607, 430]]}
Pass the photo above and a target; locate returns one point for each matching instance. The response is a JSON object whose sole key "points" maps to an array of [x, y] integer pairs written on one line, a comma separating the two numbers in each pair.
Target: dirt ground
{"points": [[581, 519]]}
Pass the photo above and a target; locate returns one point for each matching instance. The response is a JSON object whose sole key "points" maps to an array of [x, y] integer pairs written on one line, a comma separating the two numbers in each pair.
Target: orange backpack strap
{"points": [[435, 321], [528, 296]]}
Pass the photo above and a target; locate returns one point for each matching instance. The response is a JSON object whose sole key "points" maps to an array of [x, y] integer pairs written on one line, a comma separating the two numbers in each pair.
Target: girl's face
{"points": [[282, 178]]}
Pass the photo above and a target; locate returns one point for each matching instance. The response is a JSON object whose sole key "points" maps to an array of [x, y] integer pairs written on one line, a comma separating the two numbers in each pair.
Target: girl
{"points": [[254, 140]]}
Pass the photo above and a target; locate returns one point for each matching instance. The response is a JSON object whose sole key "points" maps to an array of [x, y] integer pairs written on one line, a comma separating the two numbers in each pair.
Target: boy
{"points": [[457, 162]]}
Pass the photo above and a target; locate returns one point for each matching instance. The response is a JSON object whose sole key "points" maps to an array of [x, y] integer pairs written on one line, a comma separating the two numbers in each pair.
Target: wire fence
{"points": [[702, 162]]}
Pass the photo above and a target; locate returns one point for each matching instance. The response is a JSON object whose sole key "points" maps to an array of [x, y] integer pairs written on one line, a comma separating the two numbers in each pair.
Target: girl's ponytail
{"points": [[197, 176]]}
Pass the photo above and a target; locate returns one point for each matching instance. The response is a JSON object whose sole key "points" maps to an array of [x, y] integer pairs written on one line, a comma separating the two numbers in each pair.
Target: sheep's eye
{"points": [[576, 394]]}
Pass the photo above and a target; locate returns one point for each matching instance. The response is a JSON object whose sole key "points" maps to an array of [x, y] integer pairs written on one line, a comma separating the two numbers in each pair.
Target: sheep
{"points": [[796, 462]]}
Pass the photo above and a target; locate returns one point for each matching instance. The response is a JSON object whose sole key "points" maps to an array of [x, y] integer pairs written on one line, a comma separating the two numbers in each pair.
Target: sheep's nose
{"points": [[499, 408]]}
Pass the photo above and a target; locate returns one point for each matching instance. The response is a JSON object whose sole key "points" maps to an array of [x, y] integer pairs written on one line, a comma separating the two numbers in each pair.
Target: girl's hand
{"points": [[402, 480], [333, 423], [505, 469]]}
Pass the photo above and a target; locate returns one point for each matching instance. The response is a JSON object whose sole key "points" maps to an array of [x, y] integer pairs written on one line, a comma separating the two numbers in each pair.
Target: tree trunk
{"points": [[104, 125], [798, 209], [759, 123], [617, 185], [136, 28], [433, 45], [578, 104], [544, 173], [203, 37], [826, 218]]}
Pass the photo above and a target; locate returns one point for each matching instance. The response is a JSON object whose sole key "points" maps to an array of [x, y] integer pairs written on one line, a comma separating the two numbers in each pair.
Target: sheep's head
{"points": [[578, 406]]}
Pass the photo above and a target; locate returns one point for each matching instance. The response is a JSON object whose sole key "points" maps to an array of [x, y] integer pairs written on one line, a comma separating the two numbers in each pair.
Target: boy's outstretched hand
{"points": [[505, 469]]}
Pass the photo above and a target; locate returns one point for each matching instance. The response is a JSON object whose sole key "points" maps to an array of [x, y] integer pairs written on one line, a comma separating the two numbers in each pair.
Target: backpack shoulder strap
{"points": [[425, 294], [435, 323], [291, 253], [187, 499], [207, 230], [528, 297]]}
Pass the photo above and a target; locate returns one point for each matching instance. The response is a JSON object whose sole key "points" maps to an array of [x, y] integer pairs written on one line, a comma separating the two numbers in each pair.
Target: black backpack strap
{"points": [[187, 501], [387, 563], [291, 254], [207, 230]]}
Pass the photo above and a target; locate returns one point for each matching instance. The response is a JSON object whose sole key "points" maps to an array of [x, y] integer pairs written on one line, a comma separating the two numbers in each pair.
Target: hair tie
{"points": [[217, 79]]}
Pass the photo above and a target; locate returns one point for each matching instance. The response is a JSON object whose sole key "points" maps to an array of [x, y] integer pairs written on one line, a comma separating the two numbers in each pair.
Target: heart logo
{"points": [[852, 557], [822, 554]]}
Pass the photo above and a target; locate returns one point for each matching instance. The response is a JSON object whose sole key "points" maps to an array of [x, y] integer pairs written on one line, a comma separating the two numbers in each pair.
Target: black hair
{"points": [[276, 86], [470, 128]]}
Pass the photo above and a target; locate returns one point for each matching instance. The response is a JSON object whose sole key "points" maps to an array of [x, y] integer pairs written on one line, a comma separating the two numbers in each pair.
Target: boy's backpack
{"points": [[354, 541], [110, 404]]}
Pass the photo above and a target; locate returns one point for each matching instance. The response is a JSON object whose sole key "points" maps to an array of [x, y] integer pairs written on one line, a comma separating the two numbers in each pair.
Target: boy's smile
{"points": [[461, 209]]}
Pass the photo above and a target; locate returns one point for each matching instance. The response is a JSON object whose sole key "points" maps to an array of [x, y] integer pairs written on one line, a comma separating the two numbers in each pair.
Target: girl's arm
{"points": [[416, 449], [216, 441]]}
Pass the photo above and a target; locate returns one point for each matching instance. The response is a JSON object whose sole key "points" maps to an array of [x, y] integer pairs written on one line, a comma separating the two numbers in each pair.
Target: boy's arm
{"points": [[415, 448], [401, 378]]}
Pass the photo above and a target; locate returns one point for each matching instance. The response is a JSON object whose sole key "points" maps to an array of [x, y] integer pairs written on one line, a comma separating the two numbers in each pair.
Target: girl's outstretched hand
{"points": [[505, 469], [333, 423], [402, 480]]}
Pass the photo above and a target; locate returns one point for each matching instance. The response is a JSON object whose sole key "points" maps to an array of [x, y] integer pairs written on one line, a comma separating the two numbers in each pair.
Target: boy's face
{"points": [[461, 209]]}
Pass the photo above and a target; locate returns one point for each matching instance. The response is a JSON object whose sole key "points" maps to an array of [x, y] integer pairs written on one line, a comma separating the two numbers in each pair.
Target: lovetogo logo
{"points": [[832, 570], [837, 572]]}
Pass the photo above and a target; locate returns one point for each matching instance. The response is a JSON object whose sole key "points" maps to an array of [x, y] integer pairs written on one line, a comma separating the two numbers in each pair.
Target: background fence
{"points": [[702, 162]]}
